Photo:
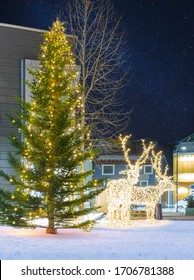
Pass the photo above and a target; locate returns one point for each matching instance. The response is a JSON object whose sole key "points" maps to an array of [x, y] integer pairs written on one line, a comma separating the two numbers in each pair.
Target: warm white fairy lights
{"points": [[123, 193], [49, 75]]}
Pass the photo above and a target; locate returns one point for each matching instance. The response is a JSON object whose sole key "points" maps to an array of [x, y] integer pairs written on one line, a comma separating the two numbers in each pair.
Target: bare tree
{"points": [[102, 53]]}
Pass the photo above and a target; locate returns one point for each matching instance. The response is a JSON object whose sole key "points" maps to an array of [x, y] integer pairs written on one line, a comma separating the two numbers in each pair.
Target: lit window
{"points": [[108, 169], [143, 183], [148, 169]]}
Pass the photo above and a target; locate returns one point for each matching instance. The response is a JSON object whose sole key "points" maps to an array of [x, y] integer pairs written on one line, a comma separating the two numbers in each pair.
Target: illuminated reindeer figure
{"points": [[119, 192], [150, 195], [123, 193]]}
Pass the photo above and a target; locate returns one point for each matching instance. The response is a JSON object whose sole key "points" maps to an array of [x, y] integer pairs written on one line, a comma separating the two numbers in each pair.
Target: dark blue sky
{"points": [[161, 39], [162, 88]]}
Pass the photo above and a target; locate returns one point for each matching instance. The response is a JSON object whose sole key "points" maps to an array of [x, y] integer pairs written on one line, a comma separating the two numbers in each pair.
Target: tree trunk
{"points": [[51, 230], [51, 220]]}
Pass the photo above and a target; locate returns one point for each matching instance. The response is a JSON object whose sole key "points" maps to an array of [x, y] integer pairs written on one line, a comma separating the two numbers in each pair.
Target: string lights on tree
{"points": [[48, 155]]}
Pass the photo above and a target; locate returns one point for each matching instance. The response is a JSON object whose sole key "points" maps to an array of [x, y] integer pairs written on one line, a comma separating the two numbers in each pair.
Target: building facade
{"points": [[17, 45], [183, 167]]}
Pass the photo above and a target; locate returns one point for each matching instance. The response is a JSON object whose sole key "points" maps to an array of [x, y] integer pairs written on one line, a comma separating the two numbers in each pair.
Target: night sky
{"points": [[161, 39]]}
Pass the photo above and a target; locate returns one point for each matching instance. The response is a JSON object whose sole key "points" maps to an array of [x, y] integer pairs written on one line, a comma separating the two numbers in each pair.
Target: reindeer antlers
{"points": [[156, 161], [156, 158], [146, 150], [125, 150], [143, 157]]}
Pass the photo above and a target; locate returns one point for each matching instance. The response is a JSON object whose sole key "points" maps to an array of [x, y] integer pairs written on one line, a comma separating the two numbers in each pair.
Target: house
{"points": [[19, 47], [109, 165], [183, 167]]}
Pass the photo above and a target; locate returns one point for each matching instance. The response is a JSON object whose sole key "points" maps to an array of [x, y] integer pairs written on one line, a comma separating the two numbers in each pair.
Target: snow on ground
{"points": [[166, 240]]}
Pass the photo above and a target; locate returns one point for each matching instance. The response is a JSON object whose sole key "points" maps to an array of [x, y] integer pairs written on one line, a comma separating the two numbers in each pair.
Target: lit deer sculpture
{"points": [[150, 195], [119, 192], [123, 193]]}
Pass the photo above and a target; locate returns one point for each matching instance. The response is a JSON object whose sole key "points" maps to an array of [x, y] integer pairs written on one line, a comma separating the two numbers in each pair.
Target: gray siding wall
{"points": [[15, 44]]}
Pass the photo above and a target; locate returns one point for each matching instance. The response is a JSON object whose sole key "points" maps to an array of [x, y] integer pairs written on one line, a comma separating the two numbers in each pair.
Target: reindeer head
{"points": [[164, 181], [133, 170], [132, 173]]}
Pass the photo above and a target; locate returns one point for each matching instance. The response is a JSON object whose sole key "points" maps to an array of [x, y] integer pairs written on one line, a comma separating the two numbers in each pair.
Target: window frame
{"points": [[112, 165], [144, 169], [144, 182]]}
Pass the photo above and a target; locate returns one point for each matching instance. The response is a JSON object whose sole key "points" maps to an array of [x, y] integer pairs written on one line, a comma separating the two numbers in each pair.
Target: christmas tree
{"points": [[49, 183]]}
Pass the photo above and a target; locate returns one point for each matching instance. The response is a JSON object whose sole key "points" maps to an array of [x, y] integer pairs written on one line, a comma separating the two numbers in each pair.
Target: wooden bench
{"points": [[138, 214]]}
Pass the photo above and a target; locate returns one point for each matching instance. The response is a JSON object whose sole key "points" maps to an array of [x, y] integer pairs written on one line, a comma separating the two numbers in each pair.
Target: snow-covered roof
{"points": [[115, 157]]}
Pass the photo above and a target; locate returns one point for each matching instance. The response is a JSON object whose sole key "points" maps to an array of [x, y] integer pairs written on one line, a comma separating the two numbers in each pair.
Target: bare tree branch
{"points": [[102, 52]]}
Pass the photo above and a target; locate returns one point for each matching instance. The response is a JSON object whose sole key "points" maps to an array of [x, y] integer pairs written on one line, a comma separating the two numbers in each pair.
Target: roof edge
{"points": [[29, 28], [21, 27], [189, 138]]}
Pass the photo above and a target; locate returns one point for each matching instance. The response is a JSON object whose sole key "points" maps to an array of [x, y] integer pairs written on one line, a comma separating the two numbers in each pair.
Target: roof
{"points": [[115, 157], [21, 27], [188, 138], [186, 145], [113, 147], [28, 28]]}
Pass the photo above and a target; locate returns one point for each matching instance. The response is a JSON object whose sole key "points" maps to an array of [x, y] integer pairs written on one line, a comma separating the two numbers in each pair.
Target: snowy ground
{"points": [[166, 240]]}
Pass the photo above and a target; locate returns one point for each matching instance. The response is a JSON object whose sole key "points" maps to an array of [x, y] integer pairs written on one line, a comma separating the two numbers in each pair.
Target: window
{"points": [[143, 183], [25, 75], [108, 169], [148, 169]]}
